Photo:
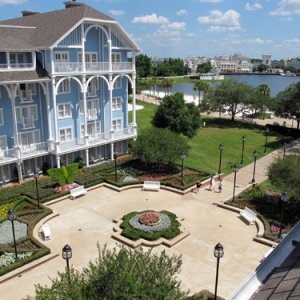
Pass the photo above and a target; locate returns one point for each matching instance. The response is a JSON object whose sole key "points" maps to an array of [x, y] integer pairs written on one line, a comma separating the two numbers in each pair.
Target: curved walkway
{"points": [[83, 222]]}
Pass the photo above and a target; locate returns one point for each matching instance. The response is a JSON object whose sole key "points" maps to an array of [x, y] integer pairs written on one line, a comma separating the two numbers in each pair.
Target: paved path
{"points": [[88, 220]]}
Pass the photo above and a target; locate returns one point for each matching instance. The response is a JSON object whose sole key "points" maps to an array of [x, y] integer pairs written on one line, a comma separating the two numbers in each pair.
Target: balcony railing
{"points": [[27, 122], [91, 92], [91, 114], [25, 96], [21, 66], [73, 67]]}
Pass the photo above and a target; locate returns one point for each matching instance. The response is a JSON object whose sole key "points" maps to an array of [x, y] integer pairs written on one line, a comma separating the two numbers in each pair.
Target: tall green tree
{"points": [[159, 146], [119, 274], [143, 65], [231, 96], [204, 67], [287, 102], [202, 86], [178, 116], [262, 100]]}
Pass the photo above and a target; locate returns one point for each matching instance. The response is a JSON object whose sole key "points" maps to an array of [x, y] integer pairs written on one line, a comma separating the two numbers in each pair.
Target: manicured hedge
{"points": [[134, 234]]}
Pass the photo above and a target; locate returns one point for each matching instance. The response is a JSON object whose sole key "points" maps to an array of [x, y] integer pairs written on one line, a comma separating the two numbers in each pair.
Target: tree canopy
{"points": [[231, 96], [204, 67], [143, 65], [178, 116], [159, 146], [287, 102], [171, 66], [202, 86], [119, 274]]}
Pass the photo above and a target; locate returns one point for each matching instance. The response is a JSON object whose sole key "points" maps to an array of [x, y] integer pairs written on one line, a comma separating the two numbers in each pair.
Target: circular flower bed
{"points": [[150, 218]]}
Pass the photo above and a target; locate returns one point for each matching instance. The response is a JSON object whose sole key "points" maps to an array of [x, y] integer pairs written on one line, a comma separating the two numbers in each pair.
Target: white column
{"points": [[54, 110], [133, 100]]}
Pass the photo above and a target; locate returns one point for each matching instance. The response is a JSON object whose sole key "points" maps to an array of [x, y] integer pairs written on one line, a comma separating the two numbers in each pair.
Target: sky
{"points": [[179, 28]]}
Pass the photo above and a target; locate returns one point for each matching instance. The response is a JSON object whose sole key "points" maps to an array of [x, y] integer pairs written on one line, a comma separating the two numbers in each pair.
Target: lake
{"points": [[276, 83]]}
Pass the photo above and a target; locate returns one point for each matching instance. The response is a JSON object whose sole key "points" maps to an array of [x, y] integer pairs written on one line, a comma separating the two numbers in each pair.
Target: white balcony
{"points": [[18, 66], [91, 114], [91, 92], [25, 96], [94, 67], [27, 122]]}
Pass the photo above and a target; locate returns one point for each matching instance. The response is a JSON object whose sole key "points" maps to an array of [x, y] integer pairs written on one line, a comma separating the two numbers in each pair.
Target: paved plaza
{"points": [[83, 222]]}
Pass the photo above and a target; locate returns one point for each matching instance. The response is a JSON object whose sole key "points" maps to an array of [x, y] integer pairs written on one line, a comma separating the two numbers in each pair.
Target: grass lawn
{"points": [[204, 153]]}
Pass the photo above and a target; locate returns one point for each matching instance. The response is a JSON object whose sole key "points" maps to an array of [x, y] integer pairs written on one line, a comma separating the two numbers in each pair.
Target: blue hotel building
{"points": [[63, 89]]}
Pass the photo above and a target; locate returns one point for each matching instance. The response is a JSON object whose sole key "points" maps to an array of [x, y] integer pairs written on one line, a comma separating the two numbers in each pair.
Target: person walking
{"points": [[220, 186], [212, 183], [198, 185]]}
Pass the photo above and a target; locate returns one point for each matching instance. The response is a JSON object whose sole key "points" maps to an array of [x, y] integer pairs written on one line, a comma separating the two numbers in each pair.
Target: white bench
{"points": [[249, 215], [46, 231], [151, 185], [78, 191]]}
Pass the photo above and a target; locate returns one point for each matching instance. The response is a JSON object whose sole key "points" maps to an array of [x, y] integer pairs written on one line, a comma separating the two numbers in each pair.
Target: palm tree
{"points": [[154, 82], [265, 91], [202, 86]]}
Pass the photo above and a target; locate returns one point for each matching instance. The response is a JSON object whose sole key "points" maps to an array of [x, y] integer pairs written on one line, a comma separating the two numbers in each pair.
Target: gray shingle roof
{"points": [[49, 27], [18, 76], [284, 282]]}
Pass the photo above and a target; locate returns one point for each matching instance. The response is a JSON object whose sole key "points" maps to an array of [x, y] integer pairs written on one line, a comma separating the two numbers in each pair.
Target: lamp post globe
{"points": [[218, 253], [67, 254], [221, 147], [11, 216], [182, 156]]}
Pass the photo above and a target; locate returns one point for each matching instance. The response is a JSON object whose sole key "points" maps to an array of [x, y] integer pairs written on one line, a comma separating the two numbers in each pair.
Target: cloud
{"points": [[255, 6], [288, 19], [182, 12], [220, 21], [257, 41], [287, 7], [3, 2], [234, 39], [117, 12], [150, 19], [173, 26], [292, 41], [211, 1]]}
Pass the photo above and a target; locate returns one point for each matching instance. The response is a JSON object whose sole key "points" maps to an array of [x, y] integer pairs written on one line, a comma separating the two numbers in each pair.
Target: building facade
{"points": [[63, 89]]}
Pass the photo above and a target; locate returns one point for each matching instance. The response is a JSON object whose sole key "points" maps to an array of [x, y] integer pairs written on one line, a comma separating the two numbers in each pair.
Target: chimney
{"points": [[27, 13], [73, 3]]}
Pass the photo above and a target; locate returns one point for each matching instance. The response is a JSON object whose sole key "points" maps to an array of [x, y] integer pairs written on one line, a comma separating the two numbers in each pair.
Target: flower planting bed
{"points": [[167, 231]]}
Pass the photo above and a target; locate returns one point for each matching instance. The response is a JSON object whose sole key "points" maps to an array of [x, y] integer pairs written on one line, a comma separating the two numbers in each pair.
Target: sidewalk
{"points": [[87, 220]]}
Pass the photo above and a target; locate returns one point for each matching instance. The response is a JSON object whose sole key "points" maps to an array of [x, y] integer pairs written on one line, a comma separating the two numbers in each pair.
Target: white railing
{"points": [[25, 96], [71, 145], [91, 114], [71, 67], [91, 91], [27, 122], [124, 132], [16, 66]]}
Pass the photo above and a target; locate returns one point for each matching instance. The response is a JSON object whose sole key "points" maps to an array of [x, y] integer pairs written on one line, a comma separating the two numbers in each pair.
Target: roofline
{"points": [[25, 81]]}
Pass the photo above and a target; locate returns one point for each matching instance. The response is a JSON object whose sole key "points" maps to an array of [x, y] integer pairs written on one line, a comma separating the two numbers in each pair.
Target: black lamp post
{"points": [[255, 154], [218, 253], [284, 125], [182, 156], [115, 156], [235, 169], [266, 131], [221, 147], [243, 140], [284, 148], [12, 216], [284, 198], [36, 176], [67, 254]]}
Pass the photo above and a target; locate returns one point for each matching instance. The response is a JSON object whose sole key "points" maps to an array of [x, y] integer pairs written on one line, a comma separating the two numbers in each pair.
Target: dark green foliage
{"points": [[143, 65], [171, 67], [178, 116], [134, 234], [64, 174], [204, 67], [159, 146], [119, 274]]}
